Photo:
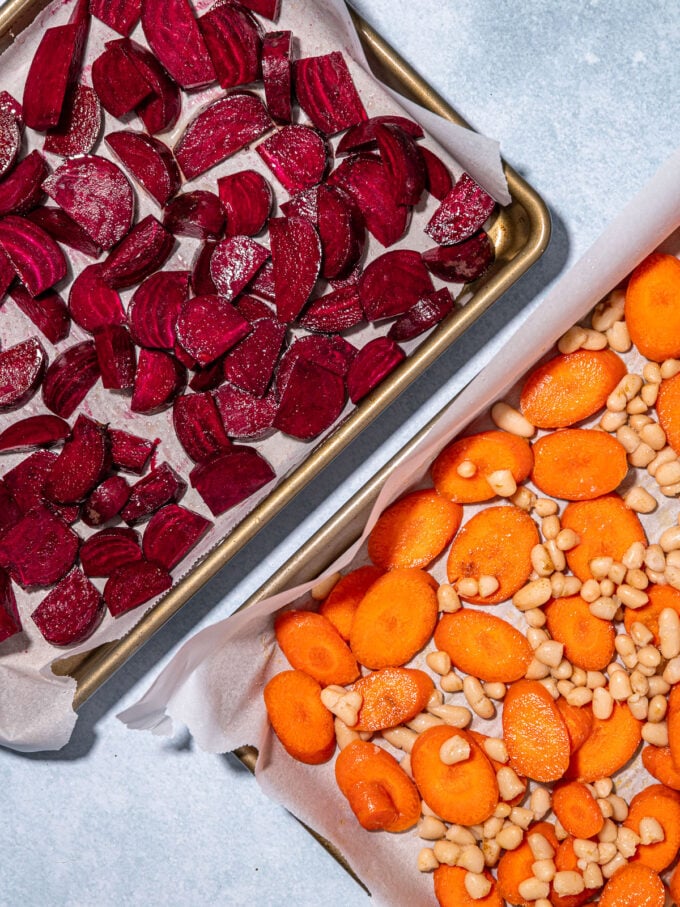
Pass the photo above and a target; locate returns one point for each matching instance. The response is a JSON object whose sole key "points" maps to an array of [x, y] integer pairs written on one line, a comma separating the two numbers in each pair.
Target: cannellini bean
{"points": [[568, 882], [477, 885], [627, 842], [544, 870], [439, 662], [532, 889], [631, 597], [655, 733], [453, 715], [451, 683], [495, 690], [423, 722], [431, 828], [476, 697], [618, 337], [541, 560], [466, 469], [447, 599], [509, 419], [491, 850], [550, 653], [653, 434], [619, 808], [324, 586], [532, 595], [402, 738], [651, 830], [446, 852], [487, 585], [611, 421], [454, 750], [572, 339], [550, 526], [467, 586], [524, 498], [427, 861], [510, 837], [669, 633], [471, 858], [619, 686], [641, 456], [608, 869], [541, 848], [502, 482], [608, 311], [460, 835], [669, 368], [545, 507], [344, 735], [540, 802]]}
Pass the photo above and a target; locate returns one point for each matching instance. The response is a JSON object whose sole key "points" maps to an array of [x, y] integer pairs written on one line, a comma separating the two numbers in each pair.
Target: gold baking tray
{"points": [[520, 234]]}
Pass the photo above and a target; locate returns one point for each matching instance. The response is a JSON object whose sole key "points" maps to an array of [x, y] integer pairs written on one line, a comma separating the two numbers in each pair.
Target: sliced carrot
{"points": [[480, 739], [578, 464], [488, 451], [659, 763], [535, 734], [634, 885], [570, 387], [300, 720], [343, 599], [668, 408], [466, 792], [394, 619], [652, 308], [484, 645], [588, 640], [391, 696], [612, 742], [450, 890], [673, 722], [662, 804], [606, 528], [674, 886], [371, 778], [577, 809], [579, 722], [496, 542], [515, 866], [414, 530], [660, 598], [311, 644], [567, 861]]}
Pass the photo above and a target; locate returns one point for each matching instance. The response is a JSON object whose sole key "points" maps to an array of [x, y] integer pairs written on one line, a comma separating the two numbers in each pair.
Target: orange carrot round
{"points": [[484, 645], [515, 866], [414, 530], [535, 734], [662, 804], [588, 640], [488, 451], [674, 886], [496, 542], [450, 890], [577, 809], [579, 722], [570, 387], [612, 742], [311, 644], [567, 861], [391, 696], [660, 598], [343, 599], [652, 308], [634, 885], [668, 410], [659, 763], [300, 720], [578, 464]]}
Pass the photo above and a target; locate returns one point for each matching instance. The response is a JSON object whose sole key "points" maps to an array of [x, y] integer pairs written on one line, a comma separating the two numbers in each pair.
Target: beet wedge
{"points": [[71, 611], [199, 214], [438, 180], [334, 312], [269, 9], [153, 310], [244, 415], [311, 401], [175, 38], [466, 261], [252, 308], [10, 512], [11, 131], [234, 41], [162, 108], [425, 314], [104, 551], [26, 481], [403, 161], [149, 161], [39, 550], [171, 533], [230, 478], [277, 75], [92, 302], [198, 426], [144, 250], [207, 378], [64, 229], [342, 231], [116, 356], [22, 367], [250, 365], [208, 326], [37, 260], [392, 283], [158, 380], [362, 137], [461, 213], [372, 365], [48, 311], [202, 283], [133, 585], [130, 452], [33, 431], [327, 94], [297, 156], [22, 190], [119, 84], [234, 263], [70, 377], [333, 353], [105, 502], [367, 180], [159, 487], [296, 256], [247, 200], [262, 285], [80, 124], [120, 15], [83, 462], [10, 620]]}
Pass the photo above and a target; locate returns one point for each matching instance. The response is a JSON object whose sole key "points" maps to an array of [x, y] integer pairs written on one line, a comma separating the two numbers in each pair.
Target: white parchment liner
{"points": [[214, 683]]}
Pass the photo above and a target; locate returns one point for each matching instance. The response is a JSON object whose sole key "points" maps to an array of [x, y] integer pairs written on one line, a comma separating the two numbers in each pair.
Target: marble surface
{"points": [[583, 96]]}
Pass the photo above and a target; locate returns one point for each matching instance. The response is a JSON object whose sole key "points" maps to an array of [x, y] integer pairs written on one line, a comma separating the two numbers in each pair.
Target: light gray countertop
{"points": [[583, 96]]}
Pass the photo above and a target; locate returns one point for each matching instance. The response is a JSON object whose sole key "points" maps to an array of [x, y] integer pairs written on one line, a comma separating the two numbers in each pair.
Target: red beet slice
{"points": [[234, 263], [392, 283], [26, 481], [22, 190], [129, 451], [120, 15], [277, 74], [244, 415], [230, 478], [116, 356], [296, 155], [337, 311], [371, 365], [162, 108], [92, 302], [267, 8], [158, 380], [83, 462], [22, 367], [70, 612], [327, 94], [403, 161], [104, 551], [425, 314], [199, 214], [247, 200], [149, 161], [222, 129], [48, 312], [161, 486], [144, 250], [153, 310], [342, 231], [79, 126], [296, 254], [438, 179], [37, 260], [311, 401], [463, 262], [133, 585], [7, 275], [201, 282], [198, 426], [208, 326], [11, 131], [234, 41], [175, 38], [171, 533], [461, 213], [119, 85], [252, 308], [106, 501], [10, 621], [250, 365], [70, 377], [208, 378], [363, 137], [263, 282], [96, 194], [32, 432], [303, 204], [10, 512], [333, 353], [39, 549], [64, 229]]}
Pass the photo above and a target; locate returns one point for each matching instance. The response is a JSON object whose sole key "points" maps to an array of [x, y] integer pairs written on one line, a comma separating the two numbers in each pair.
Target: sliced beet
{"points": [[37, 260], [234, 263], [371, 365], [116, 356], [144, 250], [119, 85], [250, 365], [149, 161], [71, 611], [22, 367], [263, 282], [92, 302], [277, 74], [26, 481], [48, 311], [234, 41], [130, 452], [230, 478], [207, 378], [461, 263], [7, 276], [201, 282], [22, 190], [154, 307], [247, 200], [104, 551], [252, 308], [120, 15], [333, 353], [337, 311], [96, 194], [10, 621], [133, 585], [199, 214], [79, 126], [39, 549], [438, 180], [11, 131], [105, 501], [158, 380], [162, 108], [160, 486], [208, 326], [10, 512], [327, 94], [82, 463], [222, 129], [70, 377], [303, 204], [312, 399], [175, 38], [65, 230], [425, 314], [461, 213], [268, 8], [244, 415], [403, 161], [198, 426], [392, 283], [297, 156], [362, 137], [351, 280], [342, 231], [33, 431], [296, 255], [171, 533]]}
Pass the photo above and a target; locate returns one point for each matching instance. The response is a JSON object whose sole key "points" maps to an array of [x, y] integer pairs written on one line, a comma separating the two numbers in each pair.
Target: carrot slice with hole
{"points": [[515, 866], [660, 598], [497, 542], [579, 722], [668, 410], [391, 696], [535, 734], [662, 804], [450, 890], [588, 640], [659, 763], [673, 722], [343, 599], [414, 530], [311, 644], [395, 618], [652, 308], [490, 451], [484, 645], [634, 885], [370, 777], [300, 720], [577, 809], [612, 742], [606, 527], [464, 793], [578, 464]]}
